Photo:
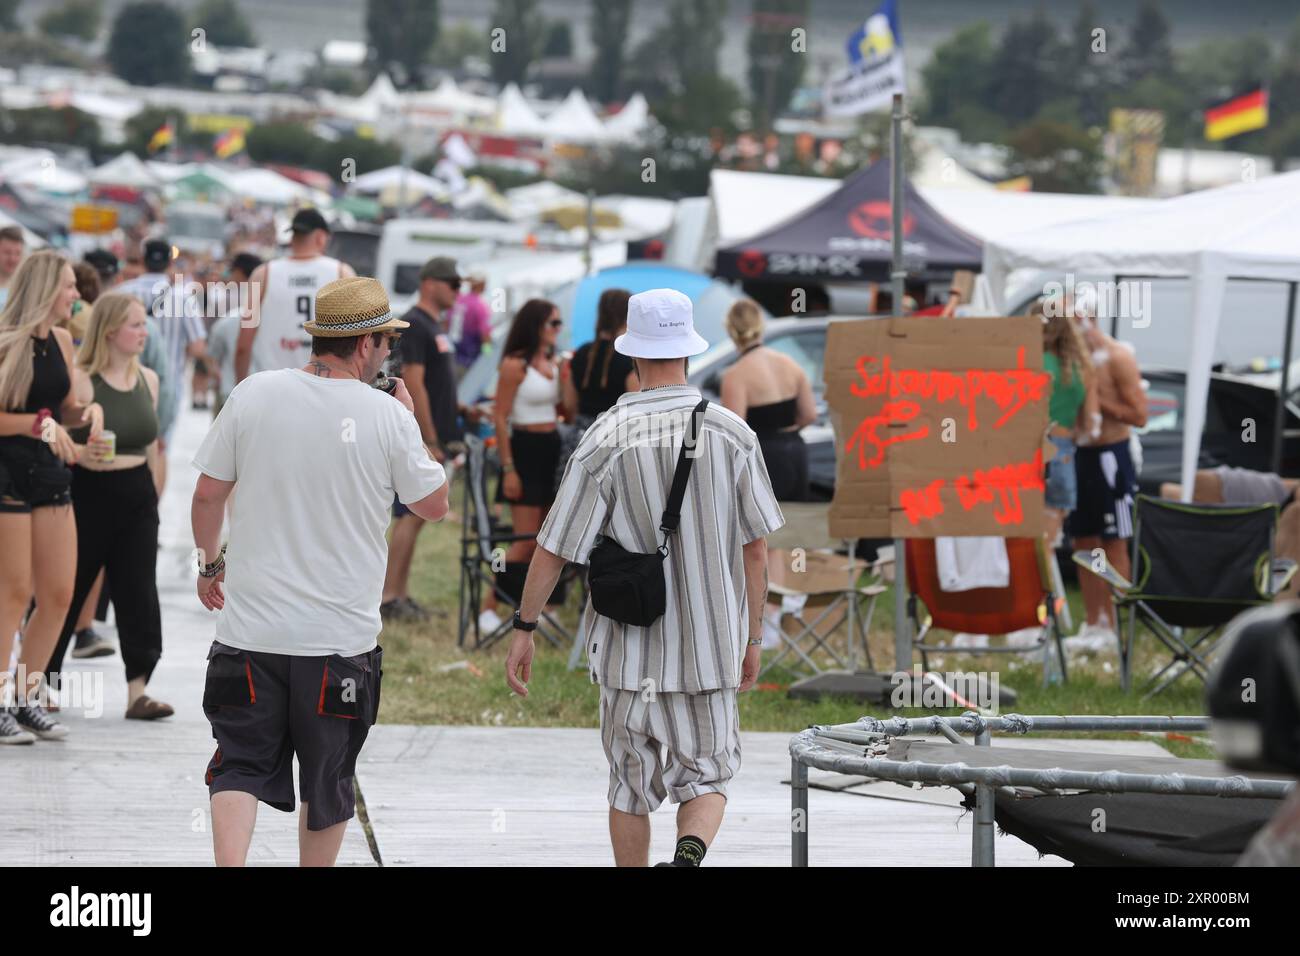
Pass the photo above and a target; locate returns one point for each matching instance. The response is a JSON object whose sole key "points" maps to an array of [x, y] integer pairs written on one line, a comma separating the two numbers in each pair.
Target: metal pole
{"points": [[853, 605], [982, 839], [1279, 418], [798, 813], [591, 225], [902, 633]]}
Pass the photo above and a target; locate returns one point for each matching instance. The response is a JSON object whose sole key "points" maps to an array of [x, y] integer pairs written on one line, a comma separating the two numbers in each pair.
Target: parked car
{"points": [[1239, 417]]}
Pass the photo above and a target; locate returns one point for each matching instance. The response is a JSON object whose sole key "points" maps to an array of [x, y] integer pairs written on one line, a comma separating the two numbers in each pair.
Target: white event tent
{"points": [[1244, 231]]}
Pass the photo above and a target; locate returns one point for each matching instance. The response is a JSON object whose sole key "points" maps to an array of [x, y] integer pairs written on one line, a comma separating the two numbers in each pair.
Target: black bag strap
{"points": [[672, 515]]}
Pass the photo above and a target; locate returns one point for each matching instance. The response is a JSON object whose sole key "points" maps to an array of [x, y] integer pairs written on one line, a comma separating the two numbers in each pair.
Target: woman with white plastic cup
{"points": [[115, 499]]}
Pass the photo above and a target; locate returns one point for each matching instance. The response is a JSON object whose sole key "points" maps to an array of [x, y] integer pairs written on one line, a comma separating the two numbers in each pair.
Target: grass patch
{"points": [[428, 679]]}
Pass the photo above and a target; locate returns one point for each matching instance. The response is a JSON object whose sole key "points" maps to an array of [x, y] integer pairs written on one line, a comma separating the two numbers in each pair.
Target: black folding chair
{"points": [[483, 545], [1195, 568]]}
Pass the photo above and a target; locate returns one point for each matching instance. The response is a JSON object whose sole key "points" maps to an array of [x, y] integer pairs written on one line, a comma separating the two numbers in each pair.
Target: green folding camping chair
{"points": [[1195, 568]]}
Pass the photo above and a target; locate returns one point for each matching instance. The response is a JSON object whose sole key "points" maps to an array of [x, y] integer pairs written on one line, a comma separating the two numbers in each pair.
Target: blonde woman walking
{"points": [[114, 498], [36, 521]]}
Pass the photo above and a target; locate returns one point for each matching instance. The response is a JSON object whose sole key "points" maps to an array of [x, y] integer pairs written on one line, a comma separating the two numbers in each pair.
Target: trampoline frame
{"points": [[843, 748]]}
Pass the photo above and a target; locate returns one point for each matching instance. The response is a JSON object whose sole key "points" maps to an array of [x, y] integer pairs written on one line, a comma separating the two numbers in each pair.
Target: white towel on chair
{"points": [[968, 563]]}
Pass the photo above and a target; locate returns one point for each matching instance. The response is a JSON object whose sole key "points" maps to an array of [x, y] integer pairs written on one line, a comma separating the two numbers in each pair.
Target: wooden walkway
{"points": [[119, 793]]}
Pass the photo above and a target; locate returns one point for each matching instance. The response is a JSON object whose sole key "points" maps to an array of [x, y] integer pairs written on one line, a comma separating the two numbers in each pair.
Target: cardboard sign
{"points": [[939, 426]]}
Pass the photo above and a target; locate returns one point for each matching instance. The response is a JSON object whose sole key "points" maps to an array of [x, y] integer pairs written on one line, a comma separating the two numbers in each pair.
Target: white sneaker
{"points": [[1025, 637], [1092, 638], [489, 621]]}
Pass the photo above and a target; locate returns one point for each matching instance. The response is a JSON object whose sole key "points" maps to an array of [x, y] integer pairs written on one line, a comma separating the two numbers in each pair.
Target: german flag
{"points": [[162, 137], [229, 143], [1241, 114]]}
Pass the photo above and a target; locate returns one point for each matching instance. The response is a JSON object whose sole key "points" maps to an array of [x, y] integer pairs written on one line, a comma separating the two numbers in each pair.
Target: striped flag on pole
{"points": [[1241, 114]]}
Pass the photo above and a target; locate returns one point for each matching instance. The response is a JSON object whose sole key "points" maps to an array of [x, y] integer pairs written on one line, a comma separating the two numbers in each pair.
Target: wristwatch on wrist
{"points": [[520, 624], [756, 642]]}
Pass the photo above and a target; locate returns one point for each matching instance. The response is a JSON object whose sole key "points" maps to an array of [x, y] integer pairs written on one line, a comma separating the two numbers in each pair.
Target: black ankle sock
{"points": [[690, 851]]}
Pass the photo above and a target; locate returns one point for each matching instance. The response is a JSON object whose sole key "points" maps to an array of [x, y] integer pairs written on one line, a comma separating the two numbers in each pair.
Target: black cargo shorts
{"points": [[265, 708]]}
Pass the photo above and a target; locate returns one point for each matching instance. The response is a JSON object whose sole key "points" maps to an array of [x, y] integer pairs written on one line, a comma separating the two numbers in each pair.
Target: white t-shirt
{"points": [[316, 462]]}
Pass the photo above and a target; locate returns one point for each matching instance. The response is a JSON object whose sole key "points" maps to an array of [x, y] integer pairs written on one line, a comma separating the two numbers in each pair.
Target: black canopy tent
{"points": [[846, 238]]}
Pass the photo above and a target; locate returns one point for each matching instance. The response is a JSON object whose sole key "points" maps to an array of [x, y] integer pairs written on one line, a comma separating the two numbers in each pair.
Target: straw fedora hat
{"points": [[355, 305]]}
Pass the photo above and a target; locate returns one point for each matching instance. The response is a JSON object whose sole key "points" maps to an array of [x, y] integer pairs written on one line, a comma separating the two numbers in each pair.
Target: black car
{"points": [[1239, 417]]}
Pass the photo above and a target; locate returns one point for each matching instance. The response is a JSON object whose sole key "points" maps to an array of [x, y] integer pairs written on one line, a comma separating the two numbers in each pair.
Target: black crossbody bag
{"points": [[628, 586]]}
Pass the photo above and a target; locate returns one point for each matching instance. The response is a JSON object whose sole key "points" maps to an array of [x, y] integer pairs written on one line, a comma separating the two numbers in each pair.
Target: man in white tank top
{"points": [[284, 299]]}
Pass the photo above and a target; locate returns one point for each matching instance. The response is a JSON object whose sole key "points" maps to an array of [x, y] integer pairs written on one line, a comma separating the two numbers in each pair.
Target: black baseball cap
{"points": [[157, 254], [442, 268], [308, 220], [103, 261]]}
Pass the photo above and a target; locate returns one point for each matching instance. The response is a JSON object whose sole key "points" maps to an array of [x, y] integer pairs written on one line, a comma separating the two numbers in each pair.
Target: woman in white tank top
{"points": [[526, 413]]}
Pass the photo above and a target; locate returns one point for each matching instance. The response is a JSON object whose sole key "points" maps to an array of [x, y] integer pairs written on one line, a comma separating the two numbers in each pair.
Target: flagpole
{"points": [[902, 632]]}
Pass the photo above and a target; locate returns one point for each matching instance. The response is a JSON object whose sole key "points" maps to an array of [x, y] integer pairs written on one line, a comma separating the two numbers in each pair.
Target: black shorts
{"points": [[536, 457], [1107, 483], [31, 476], [265, 708]]}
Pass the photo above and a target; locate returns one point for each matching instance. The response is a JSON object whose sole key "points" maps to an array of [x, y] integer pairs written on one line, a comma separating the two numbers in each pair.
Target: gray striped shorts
{"points": [[700, 732]]}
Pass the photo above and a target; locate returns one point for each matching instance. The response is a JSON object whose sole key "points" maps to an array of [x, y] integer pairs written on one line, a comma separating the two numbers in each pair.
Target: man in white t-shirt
{"points": [[317, 455]]}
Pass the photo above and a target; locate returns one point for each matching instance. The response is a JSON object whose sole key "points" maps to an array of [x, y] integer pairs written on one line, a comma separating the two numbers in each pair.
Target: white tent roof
{"points": [[574, 121], [628, 122], [450, 98], [48, 177], [114, 108], [515, 117], [391, 177], [747, 203], [125, 169], [382, 93], [265, 185], [998, 213], [529, 202], [1246, 230]]}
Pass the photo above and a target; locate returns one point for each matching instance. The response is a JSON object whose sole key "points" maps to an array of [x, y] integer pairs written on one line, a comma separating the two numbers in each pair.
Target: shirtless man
{"points": [[1103, 518]]}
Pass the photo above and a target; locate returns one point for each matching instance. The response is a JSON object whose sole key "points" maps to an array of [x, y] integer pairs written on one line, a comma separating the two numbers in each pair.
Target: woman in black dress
{"points": [[598, 374]]}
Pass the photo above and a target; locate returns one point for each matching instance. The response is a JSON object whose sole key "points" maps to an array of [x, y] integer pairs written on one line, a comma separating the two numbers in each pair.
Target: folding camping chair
{"points": [[482, 562], [1195, 567], [1028, 601], [817, 589]]}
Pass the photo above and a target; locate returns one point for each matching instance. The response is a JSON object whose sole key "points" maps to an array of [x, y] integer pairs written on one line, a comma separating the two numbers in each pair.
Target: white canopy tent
{"points": [[1245, 231], [574, 121], [626, 125], [515, 117], [395, 177], [268, 186], [125, 169]]}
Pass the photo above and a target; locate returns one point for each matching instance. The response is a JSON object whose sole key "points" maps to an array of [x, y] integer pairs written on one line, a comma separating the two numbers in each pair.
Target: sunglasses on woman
{"points": [[555, 323]]}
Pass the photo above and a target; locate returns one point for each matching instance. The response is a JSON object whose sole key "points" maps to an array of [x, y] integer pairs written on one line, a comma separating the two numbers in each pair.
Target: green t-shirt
{"points": [[1066, 397]]}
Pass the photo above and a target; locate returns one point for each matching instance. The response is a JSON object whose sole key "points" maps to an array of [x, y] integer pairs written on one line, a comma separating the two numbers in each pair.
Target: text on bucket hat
{"points": [[355, 305], [660, 325]]}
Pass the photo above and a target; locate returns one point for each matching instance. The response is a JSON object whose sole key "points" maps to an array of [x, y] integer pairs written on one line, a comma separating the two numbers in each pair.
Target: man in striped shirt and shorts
{"points": [[670, 686]]}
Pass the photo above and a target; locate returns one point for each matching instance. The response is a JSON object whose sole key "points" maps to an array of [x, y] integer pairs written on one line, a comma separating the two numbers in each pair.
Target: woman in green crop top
{"points": [[115, 500], [1073, 410]]}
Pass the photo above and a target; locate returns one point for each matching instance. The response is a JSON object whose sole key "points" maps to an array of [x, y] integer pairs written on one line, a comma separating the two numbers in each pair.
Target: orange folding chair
{"points": [[1028, 601]]}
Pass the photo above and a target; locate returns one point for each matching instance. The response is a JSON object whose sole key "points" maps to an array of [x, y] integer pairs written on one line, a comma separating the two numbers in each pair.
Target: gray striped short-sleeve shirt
{"points": [[616, 484]]}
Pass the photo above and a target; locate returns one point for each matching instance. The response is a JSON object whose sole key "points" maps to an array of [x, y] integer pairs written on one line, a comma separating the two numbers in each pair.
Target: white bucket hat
{"points": [[660, 325]]}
